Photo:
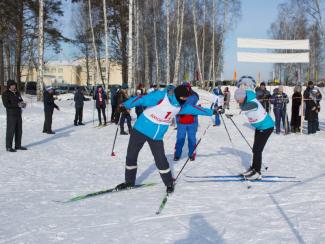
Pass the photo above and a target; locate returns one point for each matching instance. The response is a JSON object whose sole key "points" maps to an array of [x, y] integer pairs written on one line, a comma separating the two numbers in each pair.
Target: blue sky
{"points": [[257, 16]]}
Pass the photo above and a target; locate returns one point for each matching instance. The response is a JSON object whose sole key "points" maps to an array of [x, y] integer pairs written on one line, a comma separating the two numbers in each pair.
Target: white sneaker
{"points": [[256, 176]]}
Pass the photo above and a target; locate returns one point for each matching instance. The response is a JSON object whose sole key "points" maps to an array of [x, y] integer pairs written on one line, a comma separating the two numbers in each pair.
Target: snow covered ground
{"points": [[208, 205]]}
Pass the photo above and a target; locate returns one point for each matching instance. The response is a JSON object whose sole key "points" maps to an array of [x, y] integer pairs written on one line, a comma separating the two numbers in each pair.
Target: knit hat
{"points": [[239, 94], [11, 82], [181, 91]]}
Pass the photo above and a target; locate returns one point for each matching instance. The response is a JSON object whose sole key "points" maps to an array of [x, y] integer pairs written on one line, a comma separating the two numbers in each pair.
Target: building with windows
{"points": [[74, 73]]}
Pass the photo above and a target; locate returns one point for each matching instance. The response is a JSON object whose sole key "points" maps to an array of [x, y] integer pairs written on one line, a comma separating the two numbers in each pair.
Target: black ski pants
{"points": [[136, 142], [127, 117], [101, 110], [113, 113], [14, 129], [48, 120], [260, 139], [78, 115]]}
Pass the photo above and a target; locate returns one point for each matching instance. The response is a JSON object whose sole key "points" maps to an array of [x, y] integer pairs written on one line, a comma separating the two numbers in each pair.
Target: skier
{"points": [[218, 104], [100, 97], [263, 123], [79, 99], [295, 110], [280, 100], [113, 99], [151, 127], [13, 103], [187, 124], [122, 96], [263, 96], [49, 106]]}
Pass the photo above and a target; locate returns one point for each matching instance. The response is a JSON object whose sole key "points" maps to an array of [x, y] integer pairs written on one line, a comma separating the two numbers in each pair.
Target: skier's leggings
{"points": [[136, 142], [260, 139]]}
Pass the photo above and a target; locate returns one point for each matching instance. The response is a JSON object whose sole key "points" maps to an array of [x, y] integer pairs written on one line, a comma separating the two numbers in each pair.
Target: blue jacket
{"points": [[250, 104], [191, 100], [279, 101], [151, 129]]}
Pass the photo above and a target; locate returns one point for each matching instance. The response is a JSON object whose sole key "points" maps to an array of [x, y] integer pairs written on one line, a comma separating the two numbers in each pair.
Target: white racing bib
{"points": [[256, 115], [163, 113]]}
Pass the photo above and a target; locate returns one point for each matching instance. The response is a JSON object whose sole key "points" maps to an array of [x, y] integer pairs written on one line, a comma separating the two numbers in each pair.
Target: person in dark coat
{"points": [[49, 106], [279, 100], [79, 99], [122, 96], [100, 97], [13, 103], [263, 96], [139, 109], [312, 98], [295, 110], [113, 99]]}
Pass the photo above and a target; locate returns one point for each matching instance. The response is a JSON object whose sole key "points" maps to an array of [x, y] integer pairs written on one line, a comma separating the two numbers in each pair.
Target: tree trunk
{"points": [[156, 45], [130, 56], [213, 44], [2, 70], [220, 53], [203, 39], [40, 51], [137, 44], [179, 44], [196, 41], [146, 61], [8, 61], [167, 40], [19, 42], [98, 76], [87, 63], [106, 44]]}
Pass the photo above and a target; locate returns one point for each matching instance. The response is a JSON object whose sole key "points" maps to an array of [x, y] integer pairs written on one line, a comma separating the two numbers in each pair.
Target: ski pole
{"points": [[118, 123], [223, 121], [230, 117]]}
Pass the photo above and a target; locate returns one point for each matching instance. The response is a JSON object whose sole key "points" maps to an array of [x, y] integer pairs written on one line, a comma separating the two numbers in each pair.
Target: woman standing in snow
{"points": [[295, 110], [264, 125]]}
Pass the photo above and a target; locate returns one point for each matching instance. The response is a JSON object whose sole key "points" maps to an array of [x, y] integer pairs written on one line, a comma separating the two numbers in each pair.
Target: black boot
{"points": [[21, 148], [170, 189], [9, 149], [123, 132], [123, 186]]}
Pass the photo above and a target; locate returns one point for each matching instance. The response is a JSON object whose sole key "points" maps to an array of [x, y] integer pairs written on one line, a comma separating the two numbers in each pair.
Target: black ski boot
{"points": [[176, 158], [123, 186], [170, 189]]}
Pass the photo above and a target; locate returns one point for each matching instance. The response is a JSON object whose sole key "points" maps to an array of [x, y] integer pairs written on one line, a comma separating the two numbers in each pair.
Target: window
{"points": [[53, 70], [47, 69], [60, 70]]}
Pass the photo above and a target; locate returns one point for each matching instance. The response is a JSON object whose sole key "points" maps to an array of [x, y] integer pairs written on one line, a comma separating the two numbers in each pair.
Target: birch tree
{"points": [[130, 56], [106, 43], [180, 25], [196, 42], [167, 40], [40, 51], [98, 76]]}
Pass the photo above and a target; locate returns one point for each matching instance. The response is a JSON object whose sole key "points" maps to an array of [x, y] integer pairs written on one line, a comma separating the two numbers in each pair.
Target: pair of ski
{"points": [[240, 178], [228, 178]]}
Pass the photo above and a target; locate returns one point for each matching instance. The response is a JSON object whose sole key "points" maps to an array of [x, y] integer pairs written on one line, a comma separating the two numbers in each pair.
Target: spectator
{"points": [[79, 99], [100, 97], [263, 96], [295, 110], [227, 97], [280, 100], [49, 106]]}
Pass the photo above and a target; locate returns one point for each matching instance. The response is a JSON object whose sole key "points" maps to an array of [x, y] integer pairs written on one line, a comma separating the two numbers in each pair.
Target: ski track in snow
{"points": [[77, 161]]}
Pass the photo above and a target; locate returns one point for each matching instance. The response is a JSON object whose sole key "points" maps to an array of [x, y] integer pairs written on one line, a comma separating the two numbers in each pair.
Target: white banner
{"points": [[273, 57], [273, 44]]}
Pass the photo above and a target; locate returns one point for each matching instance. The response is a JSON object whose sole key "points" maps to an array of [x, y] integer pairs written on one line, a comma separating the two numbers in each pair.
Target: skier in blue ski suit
{"points": [[264, 125], [151, 127], [187, 124]]}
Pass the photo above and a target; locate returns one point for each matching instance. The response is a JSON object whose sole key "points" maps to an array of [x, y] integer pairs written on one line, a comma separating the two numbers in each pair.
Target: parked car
{"points": [[61, 90]]}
